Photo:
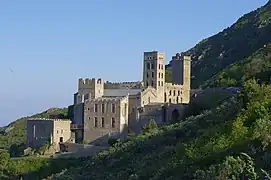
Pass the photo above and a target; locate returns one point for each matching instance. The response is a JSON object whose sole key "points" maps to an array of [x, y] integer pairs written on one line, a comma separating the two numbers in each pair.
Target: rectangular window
{"points": [[174, 93], [103, 122], [103, 107], [152, 74], [95, 122], [113, 122], [95, 107], [113, 108], [158, 75], [148, 66], [152, 66], [161, 75], [158, 83], [161, 83]]}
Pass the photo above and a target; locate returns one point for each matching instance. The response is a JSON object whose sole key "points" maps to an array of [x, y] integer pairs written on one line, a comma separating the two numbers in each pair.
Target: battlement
{"points": [[48, 119], [121, 85], [90, 81]]}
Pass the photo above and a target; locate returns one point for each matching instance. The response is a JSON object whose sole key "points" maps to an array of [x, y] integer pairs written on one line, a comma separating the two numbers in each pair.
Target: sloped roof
{"points": [[120, 92]]}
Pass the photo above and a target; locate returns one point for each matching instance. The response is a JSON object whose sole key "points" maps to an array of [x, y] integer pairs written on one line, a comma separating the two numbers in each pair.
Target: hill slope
{"points": [[236, 43], [15, 132], [206, 146], [257, 65]]}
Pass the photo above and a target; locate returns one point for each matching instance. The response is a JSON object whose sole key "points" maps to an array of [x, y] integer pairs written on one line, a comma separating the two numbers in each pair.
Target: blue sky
{"points": [[45, 46]]}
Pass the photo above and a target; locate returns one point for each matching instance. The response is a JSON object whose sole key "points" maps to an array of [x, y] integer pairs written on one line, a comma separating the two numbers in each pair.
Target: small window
{"points": [[179, 93], [113, 123], [174, 93], [152, 83], [103, 107], [161, 75], [147, 84], [61, 131], [170, 92], [95, 122], [147, 75], [152, 74], [165, 97], [158, 83], [103, 122], [96, 108], [161, 83], [113, 108], [152, 66], [148, 66], [169, 100], [177, 99], [57, 131]]}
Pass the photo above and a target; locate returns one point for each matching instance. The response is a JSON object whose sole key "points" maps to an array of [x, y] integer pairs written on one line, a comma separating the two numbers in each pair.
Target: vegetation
{"points": [[13, 136], [234, 44], [222, 137], [230, 141], [257, 65], [33, 168]]}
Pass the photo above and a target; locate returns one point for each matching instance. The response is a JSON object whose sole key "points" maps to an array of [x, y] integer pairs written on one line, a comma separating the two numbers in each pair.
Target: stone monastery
{"points": [[104, 110]]}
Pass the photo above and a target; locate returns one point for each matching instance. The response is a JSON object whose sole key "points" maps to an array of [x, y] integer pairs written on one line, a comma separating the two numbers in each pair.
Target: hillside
{"points": [[236, 43], [257, 65], [229, 141], [15, 132]]}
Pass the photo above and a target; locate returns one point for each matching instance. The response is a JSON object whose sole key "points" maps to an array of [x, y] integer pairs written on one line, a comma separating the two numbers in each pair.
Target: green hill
{"points": [[236, 43], [210, 145], [15, 132]]}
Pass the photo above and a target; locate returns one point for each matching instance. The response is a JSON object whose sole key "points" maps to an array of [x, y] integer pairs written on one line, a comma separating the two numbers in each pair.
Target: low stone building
{"points": [[41, 131]]}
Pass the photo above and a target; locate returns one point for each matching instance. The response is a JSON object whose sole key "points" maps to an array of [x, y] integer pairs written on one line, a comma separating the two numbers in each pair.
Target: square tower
{"points": [[154, 70], [181, 70]]}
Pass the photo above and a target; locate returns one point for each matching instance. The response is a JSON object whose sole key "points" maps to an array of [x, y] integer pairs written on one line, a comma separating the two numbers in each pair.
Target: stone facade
{"points": [[135, 103], [41, 131]]}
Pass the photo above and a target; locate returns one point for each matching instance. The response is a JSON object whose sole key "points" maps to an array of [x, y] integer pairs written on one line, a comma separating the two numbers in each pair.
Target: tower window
{"points": [[152, 66], [148, 66], [147, 75], [103, 108], [161, 83], [169, 100], [152, 84], [147, 84], [152, 74], [170, 92], [161, 75], [103, 122], [177, 99], [95, 122], [158, 83], [174, 93], [95, 107], [113, 108], [165, 97], [113, 122], [179, 93]]}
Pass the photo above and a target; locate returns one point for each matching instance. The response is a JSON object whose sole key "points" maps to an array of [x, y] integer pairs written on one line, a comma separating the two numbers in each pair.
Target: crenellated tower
{"points": [[90, 88]]}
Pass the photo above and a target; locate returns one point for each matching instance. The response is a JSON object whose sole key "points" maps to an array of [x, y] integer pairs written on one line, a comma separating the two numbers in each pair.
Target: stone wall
{"points": [[100, 119]]}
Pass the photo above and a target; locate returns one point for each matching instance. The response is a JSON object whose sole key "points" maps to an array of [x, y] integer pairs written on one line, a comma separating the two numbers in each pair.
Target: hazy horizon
{"points": [[46, 46]]}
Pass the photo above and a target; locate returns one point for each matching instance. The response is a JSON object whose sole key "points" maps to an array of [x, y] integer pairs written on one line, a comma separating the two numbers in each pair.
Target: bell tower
{"points": [[154, 72]]}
